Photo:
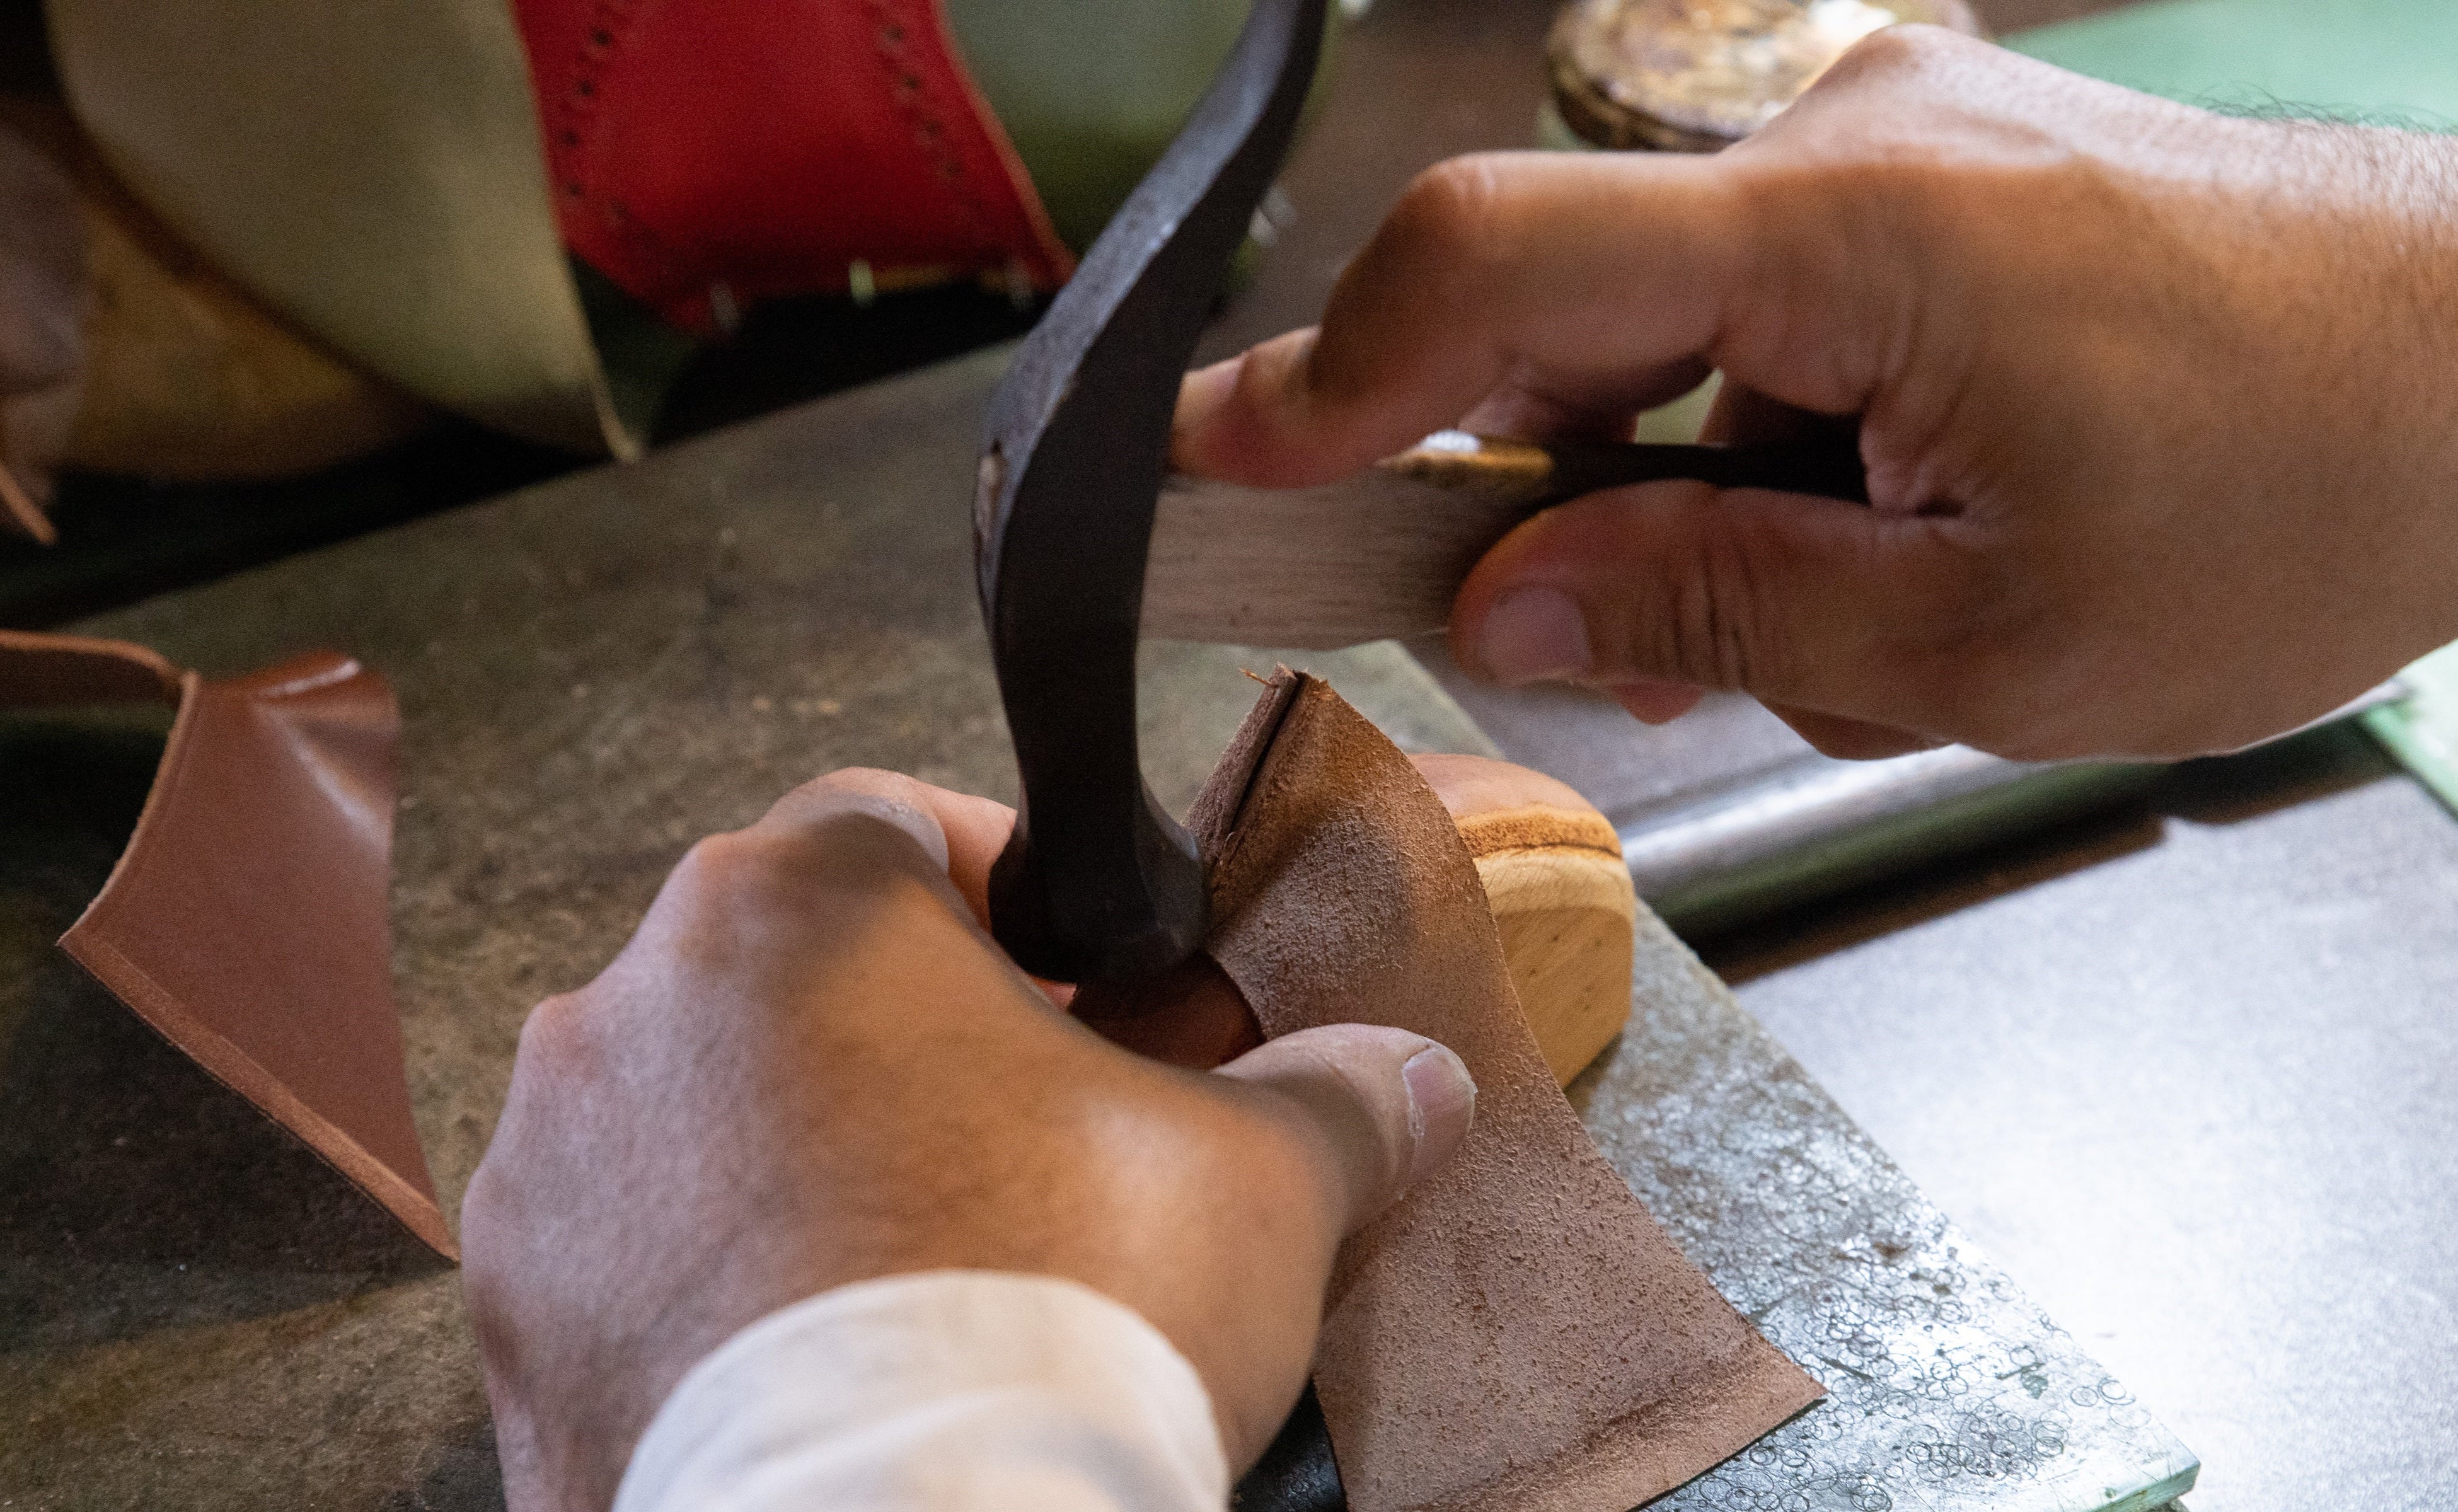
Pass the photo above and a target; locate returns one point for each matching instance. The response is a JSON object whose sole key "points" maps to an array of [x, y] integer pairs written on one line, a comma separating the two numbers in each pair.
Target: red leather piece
{"points": [[726, 150]]}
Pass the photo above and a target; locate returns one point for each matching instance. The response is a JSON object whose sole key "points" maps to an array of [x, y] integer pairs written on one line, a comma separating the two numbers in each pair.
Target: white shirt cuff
{"points": [[943, 1391]]}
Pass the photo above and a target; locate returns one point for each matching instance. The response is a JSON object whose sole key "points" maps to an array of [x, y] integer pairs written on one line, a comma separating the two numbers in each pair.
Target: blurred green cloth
{"points": [[2387, 62], [1091, 91]]}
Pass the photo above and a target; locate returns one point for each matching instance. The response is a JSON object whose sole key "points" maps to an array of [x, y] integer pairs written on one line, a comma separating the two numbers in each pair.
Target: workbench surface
{"points": [[594, 673]]}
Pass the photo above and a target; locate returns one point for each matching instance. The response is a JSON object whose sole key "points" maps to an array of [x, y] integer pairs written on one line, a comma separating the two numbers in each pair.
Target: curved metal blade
{"points": [[1099, 883]]}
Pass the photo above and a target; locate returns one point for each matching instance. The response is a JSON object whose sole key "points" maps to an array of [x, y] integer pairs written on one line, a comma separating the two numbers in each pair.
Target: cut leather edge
{"points": [[416, 1211], [109, 672], [162, 1011]]}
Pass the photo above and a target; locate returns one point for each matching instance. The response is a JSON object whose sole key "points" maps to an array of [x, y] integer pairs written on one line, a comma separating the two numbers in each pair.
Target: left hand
{"points": [[2156, 407], [811, 1066]]}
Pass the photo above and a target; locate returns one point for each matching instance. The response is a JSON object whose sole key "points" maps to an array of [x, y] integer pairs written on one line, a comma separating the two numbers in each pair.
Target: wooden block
{"points": [[1561, 898]]}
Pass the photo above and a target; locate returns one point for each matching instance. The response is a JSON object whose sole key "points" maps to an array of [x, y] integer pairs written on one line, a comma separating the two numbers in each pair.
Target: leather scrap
{"points": [[372, 175], [704, 157], [185, 377], [247, 920], [44, 300], [1517, 1332]]}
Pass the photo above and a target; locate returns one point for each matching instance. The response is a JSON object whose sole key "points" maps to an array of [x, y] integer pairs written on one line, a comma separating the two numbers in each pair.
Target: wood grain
{"points": [[1560, 896], [1318, 568]]}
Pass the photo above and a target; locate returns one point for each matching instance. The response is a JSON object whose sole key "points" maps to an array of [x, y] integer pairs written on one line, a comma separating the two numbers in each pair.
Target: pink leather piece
{"points": [[247, 920]]}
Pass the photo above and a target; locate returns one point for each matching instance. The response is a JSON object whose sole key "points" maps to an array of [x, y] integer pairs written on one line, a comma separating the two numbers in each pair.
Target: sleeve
{"points": [[945, 1391]]}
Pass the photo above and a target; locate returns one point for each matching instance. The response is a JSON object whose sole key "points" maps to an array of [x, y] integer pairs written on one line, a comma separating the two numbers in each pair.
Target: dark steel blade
{"points": [[1099, 883]]}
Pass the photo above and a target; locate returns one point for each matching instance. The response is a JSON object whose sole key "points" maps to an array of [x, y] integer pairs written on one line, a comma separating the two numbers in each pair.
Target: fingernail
{"points": [[1442, 1103], [1654, 701], [1532, 634]]}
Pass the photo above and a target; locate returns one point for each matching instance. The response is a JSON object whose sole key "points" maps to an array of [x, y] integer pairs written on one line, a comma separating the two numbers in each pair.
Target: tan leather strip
{"points": [[1517, 1333]]}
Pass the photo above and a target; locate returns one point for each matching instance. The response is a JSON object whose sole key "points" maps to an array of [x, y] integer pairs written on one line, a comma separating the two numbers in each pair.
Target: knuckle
{"points": [[727, 871], [862, 779], [837, 822], [1445, 218], [713, 860], [1891, 53], [735, 897], [1711, 632], [859, 782], [562, 1050], [546, 1034]]}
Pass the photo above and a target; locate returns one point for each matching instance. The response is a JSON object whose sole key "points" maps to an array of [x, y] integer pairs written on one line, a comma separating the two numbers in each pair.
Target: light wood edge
{"points": [[1567, 915]]}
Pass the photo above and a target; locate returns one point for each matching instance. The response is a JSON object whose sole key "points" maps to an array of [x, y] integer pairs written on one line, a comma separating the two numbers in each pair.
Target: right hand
{"points": [[2160, 407], [812, 1066]]}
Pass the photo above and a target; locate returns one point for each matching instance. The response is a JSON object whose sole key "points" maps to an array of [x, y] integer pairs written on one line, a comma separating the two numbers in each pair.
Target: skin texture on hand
{"points": [[2160, 407], [811, 1067]]}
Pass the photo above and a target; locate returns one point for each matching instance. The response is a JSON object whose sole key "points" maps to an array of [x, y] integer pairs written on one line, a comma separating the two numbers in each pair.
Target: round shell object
{"points": [[1698, 76]]}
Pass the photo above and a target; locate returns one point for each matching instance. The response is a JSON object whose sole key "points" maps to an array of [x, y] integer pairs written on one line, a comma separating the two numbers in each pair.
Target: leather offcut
{"points": [[248, 920], [1516, 1331], [726, 152]]}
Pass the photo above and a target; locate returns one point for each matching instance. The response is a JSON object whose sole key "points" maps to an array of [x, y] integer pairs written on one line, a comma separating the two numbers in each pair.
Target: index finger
{"points": [[1584, 265], [963, 833]]}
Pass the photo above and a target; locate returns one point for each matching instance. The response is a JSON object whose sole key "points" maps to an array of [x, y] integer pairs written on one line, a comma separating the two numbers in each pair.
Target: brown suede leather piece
{"points": [[1516, 1333], [247, 921]]}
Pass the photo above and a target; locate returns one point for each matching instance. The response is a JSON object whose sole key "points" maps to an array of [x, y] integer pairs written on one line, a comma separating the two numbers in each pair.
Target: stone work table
{"points": [[596, 672]]}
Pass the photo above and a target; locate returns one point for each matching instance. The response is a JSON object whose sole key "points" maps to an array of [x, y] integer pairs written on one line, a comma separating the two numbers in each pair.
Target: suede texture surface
{"points": [[1517, 1332]]}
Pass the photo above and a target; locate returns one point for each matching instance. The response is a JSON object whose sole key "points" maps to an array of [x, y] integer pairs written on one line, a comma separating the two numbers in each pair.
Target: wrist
{"points": [[2401, 279]]}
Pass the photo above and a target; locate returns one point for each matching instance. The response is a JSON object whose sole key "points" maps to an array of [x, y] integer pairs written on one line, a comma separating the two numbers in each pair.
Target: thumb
{"points": [[1820, 606], [1384, 1108]]}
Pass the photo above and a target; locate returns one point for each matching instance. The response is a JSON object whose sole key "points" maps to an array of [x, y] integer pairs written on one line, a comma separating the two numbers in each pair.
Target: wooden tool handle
{"points": [[1383, 553]]}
